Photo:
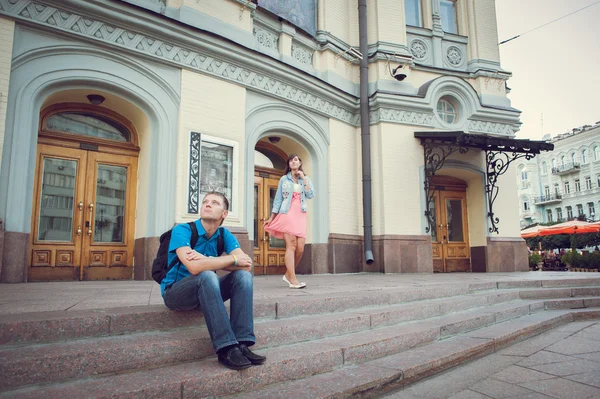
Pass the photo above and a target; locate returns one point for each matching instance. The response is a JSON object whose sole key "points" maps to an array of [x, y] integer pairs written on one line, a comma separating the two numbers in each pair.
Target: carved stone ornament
{"points": [[454, 55], [418, 49], [265, 38], [302, 54]]}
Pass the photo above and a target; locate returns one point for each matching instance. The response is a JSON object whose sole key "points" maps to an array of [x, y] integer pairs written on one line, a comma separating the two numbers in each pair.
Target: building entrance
{"points": [[269, 252], [84, 202], [450, 238]]}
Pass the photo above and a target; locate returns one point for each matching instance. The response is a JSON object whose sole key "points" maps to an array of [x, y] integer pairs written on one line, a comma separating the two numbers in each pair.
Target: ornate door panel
{"points": [[83, 215], [269, 252], [454, 221], [450, 242], [109, 211], [57, 228]]}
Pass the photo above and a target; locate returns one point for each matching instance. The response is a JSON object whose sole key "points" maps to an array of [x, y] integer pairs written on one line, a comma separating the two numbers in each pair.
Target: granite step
{"points": [[60, 326], [377, 377], [332, 367], [47, 363], [66, 325], [563, 292]]}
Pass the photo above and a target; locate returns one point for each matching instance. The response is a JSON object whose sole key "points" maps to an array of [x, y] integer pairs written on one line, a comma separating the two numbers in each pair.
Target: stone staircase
{"points": [[359, 344]]}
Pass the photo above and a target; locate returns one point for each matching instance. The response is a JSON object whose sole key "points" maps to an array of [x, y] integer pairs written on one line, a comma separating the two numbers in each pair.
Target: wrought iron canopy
{"points": [[485, 142], [499, 153]]}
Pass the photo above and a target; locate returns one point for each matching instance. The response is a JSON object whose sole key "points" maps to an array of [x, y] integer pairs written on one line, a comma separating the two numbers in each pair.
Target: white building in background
{"points": [[564, 183]]}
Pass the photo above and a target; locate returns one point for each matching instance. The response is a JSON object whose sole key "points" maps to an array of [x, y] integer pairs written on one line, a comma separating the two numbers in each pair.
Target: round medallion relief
{"points": [[418, 48], [454, 55]]}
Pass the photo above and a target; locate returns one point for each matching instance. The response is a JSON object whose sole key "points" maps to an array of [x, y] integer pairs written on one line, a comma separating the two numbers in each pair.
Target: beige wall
{"points": [[386, 21], [340, 18], [345, 179], [397, 189], [216, 108], [483, 30], [228, 11], [506, 206], [7, 28]]}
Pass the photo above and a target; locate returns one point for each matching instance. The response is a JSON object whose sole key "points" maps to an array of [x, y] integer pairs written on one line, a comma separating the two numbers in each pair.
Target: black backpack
{"points": [[160, 265]]}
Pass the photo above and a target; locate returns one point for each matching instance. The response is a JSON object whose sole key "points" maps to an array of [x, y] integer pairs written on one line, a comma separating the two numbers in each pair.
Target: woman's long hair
{"points": [[292, 156]]}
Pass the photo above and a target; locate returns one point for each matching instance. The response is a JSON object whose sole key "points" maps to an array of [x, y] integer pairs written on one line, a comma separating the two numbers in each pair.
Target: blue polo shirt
{"points": [[181, 237]]}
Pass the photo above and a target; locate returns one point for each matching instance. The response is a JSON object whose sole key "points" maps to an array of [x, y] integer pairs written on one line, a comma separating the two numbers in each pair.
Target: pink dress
{"points": [[293, 222]]}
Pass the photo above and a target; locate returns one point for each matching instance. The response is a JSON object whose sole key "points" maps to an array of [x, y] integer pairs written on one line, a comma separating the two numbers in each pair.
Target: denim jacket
{"points": [[285, 189]]}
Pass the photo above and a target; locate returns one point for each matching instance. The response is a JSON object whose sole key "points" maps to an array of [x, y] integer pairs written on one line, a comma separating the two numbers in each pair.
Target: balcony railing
{"points": [[548, 199], [566, 168]]}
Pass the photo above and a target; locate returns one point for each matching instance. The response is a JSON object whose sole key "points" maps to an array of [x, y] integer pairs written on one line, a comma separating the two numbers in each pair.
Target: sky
{"points": [[555, 69]]}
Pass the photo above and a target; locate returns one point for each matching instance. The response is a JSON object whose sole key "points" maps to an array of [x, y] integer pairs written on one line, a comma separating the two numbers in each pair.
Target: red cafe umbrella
{"points": [[571, 227], [531, 232]]}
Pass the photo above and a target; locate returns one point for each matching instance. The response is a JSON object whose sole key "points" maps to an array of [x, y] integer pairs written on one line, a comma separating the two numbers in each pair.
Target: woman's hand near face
{"points": [[301, 174]]}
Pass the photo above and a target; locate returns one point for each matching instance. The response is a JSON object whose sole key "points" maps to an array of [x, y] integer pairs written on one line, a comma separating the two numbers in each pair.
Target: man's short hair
{"points": [[223, 197]]}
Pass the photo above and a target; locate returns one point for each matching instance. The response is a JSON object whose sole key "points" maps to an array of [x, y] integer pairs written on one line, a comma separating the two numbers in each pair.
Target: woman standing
{"points": [[288, 217]]}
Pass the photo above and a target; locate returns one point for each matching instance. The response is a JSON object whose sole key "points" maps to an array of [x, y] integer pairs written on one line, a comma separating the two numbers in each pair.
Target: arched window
{"points": [[85, 123], [544, 167], [562, 161], [553, 163], [584, 156], [597, 153], [447, 110], [574, 158]]}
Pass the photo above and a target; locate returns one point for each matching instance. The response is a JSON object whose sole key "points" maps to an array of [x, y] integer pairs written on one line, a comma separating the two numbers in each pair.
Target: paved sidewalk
{"points": [[563, 363], [66, 296]]}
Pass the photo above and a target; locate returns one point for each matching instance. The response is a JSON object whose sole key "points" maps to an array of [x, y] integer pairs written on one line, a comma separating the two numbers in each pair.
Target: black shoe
{"points": [[234, 359], [253, 357]]}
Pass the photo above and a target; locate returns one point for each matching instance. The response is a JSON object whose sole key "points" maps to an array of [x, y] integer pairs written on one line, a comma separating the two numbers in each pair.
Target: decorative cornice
{"points": [[490, 127], [174, 53], [404, 117]]}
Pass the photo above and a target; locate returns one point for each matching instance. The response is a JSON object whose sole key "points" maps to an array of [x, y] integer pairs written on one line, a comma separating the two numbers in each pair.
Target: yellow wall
{"points": [[485, 29], [216, 108], [345, 179], [7, 28], [506, 206], [340, 18], [398, 170], [386, 21], [227, 11]]}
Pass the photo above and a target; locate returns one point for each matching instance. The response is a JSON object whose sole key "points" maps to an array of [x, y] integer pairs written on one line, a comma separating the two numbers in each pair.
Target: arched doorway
{"points": [[84, 195], [269, 166], [450, 238]]}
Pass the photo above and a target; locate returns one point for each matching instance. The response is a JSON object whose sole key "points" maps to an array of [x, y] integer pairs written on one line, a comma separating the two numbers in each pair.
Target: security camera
{"points": [[398, 73]]}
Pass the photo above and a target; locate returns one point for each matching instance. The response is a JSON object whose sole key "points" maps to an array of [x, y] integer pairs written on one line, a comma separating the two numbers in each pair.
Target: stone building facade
{"points": [[116, 116]]}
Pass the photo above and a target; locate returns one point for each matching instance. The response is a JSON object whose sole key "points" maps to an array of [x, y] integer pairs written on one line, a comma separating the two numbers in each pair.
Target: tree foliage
{"points": [[560, 241]]}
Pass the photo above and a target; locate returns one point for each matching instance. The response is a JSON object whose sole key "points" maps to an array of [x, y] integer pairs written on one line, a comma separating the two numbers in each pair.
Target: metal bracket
{"points": [[497, 163], [435, 154]]}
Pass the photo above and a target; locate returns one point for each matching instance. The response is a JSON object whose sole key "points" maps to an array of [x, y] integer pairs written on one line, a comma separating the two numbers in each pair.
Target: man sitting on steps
{"points": [[193, 283]]}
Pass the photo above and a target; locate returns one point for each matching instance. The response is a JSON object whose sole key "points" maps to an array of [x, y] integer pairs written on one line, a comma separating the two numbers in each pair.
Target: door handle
{"points": [[89, 224], [78, 230]]}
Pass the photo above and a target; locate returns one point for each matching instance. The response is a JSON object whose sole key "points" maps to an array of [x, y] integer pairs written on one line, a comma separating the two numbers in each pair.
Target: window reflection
{"points": [[56, 200], [111, 185], [88, 125]]}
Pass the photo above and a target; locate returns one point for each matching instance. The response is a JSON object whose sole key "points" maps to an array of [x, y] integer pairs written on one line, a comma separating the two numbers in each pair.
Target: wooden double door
{"points": [[83, 215], [269, 252], [450, 238]]}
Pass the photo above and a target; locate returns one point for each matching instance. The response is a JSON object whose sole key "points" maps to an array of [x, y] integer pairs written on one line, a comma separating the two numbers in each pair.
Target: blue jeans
{"points": [[208, 292]]}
